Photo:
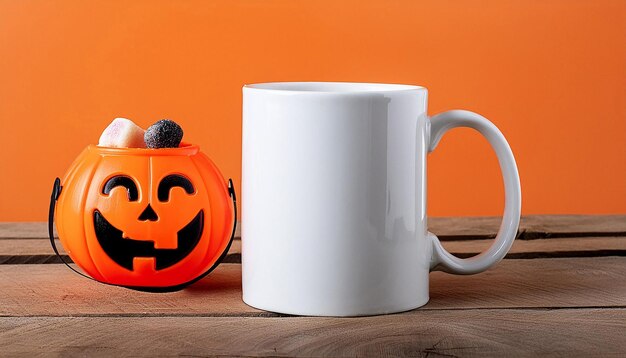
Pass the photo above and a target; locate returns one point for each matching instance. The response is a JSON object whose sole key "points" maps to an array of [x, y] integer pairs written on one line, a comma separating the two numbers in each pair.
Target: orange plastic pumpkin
{"points": [[145, 217]]}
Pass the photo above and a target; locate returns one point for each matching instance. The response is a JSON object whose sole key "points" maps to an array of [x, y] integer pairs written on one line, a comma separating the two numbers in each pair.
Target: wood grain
{"points": [[421, 333], [53, 290], [531, 227], [456, 227], [536, 226]]}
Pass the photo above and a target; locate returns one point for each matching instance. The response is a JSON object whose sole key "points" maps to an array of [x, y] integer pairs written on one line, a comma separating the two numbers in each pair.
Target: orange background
{"points": [[550, 74]]}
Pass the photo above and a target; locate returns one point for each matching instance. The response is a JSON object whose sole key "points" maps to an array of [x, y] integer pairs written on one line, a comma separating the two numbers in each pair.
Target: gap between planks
{"points": [[38, 251], [447, 228]]}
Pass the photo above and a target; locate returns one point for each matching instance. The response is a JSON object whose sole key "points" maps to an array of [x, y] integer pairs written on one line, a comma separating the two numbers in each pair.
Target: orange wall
{"points": [[550, 74]]}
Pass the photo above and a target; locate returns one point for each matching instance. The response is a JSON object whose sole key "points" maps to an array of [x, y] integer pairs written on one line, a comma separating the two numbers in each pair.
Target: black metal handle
{"points": [[56, 191]]}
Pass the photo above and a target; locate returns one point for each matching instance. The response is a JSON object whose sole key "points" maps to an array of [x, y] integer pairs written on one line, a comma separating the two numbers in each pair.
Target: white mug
{"points": [[334, 197]]}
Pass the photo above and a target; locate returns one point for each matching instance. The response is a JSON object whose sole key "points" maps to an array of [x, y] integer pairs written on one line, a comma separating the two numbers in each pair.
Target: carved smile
{"points": [[123, 251]]}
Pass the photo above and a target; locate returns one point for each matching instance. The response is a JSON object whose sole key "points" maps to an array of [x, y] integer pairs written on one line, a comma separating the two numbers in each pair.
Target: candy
{"points": [[122, 133], [163, 134]]}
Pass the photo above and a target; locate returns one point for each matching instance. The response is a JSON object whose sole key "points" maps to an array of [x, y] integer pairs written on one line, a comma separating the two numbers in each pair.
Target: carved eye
{"points": [[171, 181], [125, 181]]}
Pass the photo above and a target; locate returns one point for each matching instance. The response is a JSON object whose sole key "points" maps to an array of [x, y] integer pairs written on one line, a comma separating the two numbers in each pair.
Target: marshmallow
{"points": [[122, 133]]}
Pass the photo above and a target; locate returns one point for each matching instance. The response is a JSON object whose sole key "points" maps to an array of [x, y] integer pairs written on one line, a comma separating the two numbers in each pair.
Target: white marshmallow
{"points": [[122, 133]]}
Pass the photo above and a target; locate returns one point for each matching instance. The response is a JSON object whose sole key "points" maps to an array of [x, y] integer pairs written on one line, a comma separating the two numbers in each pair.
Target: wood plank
{"points": [[38, 251], [471, 333], [53, 290], [445, 227], [531, 226], [547, 283], [574, 225], [23, 230]]}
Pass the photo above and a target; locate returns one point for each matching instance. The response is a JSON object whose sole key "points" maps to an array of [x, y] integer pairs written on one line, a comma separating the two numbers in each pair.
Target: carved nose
{"points": [[148, 214]]}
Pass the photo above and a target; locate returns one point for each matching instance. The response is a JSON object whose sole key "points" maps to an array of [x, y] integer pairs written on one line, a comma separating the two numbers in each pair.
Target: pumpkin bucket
{"points": [[148, 219]]}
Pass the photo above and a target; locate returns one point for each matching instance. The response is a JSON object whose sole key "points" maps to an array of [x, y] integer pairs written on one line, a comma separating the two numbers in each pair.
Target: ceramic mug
{"points": [[334, 197]]}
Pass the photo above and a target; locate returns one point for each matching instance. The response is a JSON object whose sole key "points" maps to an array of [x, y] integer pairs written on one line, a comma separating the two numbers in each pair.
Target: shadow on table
{"points": [[218, 281]]}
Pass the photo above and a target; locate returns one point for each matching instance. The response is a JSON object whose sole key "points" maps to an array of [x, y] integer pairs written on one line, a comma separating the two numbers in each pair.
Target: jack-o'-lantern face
{"points": [[123, 249], [150, 217]]}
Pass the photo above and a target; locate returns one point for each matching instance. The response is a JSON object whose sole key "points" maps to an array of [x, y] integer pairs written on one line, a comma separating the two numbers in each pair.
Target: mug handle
{"points": [[441, 259]]}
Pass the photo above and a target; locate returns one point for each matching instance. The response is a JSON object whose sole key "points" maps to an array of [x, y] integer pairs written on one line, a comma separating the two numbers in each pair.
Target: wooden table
{"points": [[561, 290]]}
